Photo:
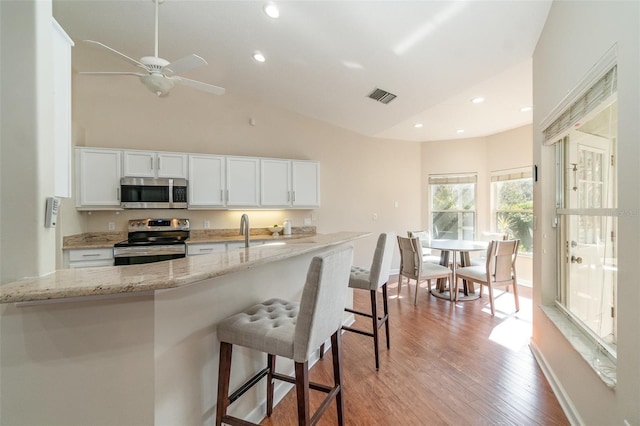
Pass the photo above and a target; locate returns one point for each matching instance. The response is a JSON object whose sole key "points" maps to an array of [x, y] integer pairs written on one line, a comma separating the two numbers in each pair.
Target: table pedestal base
{"points": [[446, 294]]}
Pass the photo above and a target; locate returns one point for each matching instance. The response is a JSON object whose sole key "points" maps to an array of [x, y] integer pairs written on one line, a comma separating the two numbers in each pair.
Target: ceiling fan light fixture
{"points": [[157, 84]]}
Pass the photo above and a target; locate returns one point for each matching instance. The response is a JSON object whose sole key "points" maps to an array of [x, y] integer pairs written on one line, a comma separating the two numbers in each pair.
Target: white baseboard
{"points": [[563, 399]]}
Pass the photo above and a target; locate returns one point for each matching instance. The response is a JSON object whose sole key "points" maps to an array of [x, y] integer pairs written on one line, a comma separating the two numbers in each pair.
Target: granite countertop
{"points": [[95, 240], [109, 280]]}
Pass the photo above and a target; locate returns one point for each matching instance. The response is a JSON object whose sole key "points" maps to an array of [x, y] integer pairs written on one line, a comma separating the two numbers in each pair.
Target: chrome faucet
{"points": [[244, 229]]}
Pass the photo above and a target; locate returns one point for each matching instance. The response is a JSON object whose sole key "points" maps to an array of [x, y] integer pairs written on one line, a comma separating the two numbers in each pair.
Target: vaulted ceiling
{"points": [[323, 58]]}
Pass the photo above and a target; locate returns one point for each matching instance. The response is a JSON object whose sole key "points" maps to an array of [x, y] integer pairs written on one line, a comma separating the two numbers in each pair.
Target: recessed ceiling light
{"points": [[272, 11], [460, 131], [418, 125], [259, 57], [477, 100], [526, 109]]}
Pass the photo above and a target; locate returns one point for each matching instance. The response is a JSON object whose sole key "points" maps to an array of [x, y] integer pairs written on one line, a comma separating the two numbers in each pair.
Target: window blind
{"points": [[603, 89], [452, 179], [512, 174]]}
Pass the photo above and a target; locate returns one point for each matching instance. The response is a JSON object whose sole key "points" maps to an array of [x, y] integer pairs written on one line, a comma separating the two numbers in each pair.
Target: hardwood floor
{"points": [[448, 365]]}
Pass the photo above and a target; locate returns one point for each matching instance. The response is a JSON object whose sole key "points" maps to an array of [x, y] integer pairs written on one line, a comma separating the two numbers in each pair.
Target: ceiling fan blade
{"points": [[186, 63], [198, 85], [115, 52], [112, 73]]}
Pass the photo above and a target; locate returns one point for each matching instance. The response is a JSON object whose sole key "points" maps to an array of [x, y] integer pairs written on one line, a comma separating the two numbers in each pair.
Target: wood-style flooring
{"points": [[449, 364]]}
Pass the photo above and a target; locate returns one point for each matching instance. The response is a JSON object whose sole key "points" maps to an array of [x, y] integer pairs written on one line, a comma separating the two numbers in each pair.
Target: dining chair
{"points": [[413, 267], [291, 330], [487, 237], [425, 240], [499, 269]]}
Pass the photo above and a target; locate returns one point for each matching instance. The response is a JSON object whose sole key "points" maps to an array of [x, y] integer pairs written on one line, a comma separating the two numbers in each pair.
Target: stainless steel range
{"points": [[152, 240]]}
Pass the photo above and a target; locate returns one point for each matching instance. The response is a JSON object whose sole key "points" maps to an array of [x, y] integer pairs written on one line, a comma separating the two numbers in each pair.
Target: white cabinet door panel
{"points": [[275, 182], [306, 183], [206, 181], [243, 182], [98, 177]]}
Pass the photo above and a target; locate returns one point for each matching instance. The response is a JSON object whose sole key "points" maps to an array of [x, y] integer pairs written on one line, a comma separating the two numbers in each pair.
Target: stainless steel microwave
{"points": [[149, 193]]}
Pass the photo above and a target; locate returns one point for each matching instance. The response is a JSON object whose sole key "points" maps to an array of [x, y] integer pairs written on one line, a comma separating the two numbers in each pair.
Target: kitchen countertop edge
{"points": [[133, 279]]}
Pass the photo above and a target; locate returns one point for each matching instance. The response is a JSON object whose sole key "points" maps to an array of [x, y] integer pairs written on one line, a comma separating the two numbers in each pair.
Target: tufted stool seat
{"points": [[291, 330], [372, 279], [266, 327]]}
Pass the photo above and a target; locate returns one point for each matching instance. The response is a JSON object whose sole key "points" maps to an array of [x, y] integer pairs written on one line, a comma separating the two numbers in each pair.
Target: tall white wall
{"points": [[575, 36], [28, 248], [359, 175]]}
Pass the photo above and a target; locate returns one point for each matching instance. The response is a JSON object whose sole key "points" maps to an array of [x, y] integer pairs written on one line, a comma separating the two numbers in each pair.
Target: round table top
{"points": [[458, 245]]}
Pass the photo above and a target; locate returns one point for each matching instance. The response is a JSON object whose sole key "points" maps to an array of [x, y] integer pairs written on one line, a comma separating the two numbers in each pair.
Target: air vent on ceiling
{"points": [[382, 96]]}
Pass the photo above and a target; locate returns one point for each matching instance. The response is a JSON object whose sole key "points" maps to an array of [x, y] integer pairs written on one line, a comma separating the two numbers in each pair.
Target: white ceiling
{"points": [[325, 57]]}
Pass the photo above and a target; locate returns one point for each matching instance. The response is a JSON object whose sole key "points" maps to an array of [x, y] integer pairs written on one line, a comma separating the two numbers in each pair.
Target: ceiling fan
{"points": [[160, 75]]}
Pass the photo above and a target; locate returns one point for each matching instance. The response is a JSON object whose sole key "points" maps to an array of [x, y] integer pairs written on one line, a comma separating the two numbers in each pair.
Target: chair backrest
{"points": [[492, 236], [382, 256], [410, 257], [501, 259], [323, 301], [424, 237]]}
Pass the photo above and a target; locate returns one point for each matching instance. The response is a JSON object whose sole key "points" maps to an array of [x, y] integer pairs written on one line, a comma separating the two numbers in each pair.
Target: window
{"points": [[512, 202], [453, 206], [585, 137]]}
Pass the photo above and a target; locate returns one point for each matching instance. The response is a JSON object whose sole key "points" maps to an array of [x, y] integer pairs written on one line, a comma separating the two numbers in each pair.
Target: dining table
{"points": [[451, 248]]}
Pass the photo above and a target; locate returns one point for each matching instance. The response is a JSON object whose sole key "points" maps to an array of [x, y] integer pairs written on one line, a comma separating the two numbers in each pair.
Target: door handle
{"points": [[577, 260]]}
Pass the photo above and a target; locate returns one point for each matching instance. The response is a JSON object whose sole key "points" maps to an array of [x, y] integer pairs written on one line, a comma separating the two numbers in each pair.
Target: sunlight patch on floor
{"points": [[514, 332]]}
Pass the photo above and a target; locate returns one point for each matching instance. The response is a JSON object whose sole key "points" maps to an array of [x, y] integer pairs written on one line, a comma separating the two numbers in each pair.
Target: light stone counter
{"points": [[68, 283], [138, 345]]}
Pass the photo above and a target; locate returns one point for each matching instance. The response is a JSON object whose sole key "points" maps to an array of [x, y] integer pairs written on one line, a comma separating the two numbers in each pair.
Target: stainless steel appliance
{"points": [[152, 240], [149, 193]]}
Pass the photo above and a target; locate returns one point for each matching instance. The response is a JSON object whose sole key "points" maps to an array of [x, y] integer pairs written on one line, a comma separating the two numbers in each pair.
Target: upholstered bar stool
{"points": [[372, 279], [291, 330]]}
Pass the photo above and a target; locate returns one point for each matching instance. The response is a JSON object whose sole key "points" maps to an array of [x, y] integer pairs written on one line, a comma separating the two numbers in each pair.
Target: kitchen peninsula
{"points": [[138, 344]]}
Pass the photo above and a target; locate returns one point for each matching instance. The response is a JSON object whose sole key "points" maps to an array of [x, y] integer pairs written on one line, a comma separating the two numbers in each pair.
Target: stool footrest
{"points": [[235, 421], [248, 385], [312, 385]]}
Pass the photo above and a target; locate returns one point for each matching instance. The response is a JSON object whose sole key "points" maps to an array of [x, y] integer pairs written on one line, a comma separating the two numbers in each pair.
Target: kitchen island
{"points": [[137, 344]]}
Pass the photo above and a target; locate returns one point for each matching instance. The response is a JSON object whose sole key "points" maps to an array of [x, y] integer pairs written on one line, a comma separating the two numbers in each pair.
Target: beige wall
{"points": [[360, 176], [506, 150], [575, 37]]}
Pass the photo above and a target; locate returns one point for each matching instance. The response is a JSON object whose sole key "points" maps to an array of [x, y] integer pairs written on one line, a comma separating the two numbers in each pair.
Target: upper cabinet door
{"points": [[206, 181], [275, 182], [243, 182], [139, 164], [155, 164], [61, 74], [171, 165], [98, 178], [306, 183]]}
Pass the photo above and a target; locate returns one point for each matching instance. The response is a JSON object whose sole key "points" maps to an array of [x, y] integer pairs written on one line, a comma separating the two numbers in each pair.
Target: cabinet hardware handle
{"points": [[222, 195], [206, 249], [118, 194], [158, 163], [288, 196], [151, 160], [294, 196], [91, 255]]}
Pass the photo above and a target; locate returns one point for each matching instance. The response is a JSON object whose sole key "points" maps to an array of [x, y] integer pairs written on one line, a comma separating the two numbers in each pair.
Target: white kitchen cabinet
{"points": [[205, 248], [275, 182], [305, 183], [61, 74], [206, 181], [98, 178], [243, 182], [155, 164], [85, 258]]}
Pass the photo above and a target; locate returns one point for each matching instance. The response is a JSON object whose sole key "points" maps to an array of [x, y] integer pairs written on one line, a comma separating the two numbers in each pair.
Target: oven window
{"points": [[137, 260]]}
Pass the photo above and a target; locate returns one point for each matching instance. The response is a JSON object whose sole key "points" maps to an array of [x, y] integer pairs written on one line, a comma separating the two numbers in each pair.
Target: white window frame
{"points": [[454, 179]]}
